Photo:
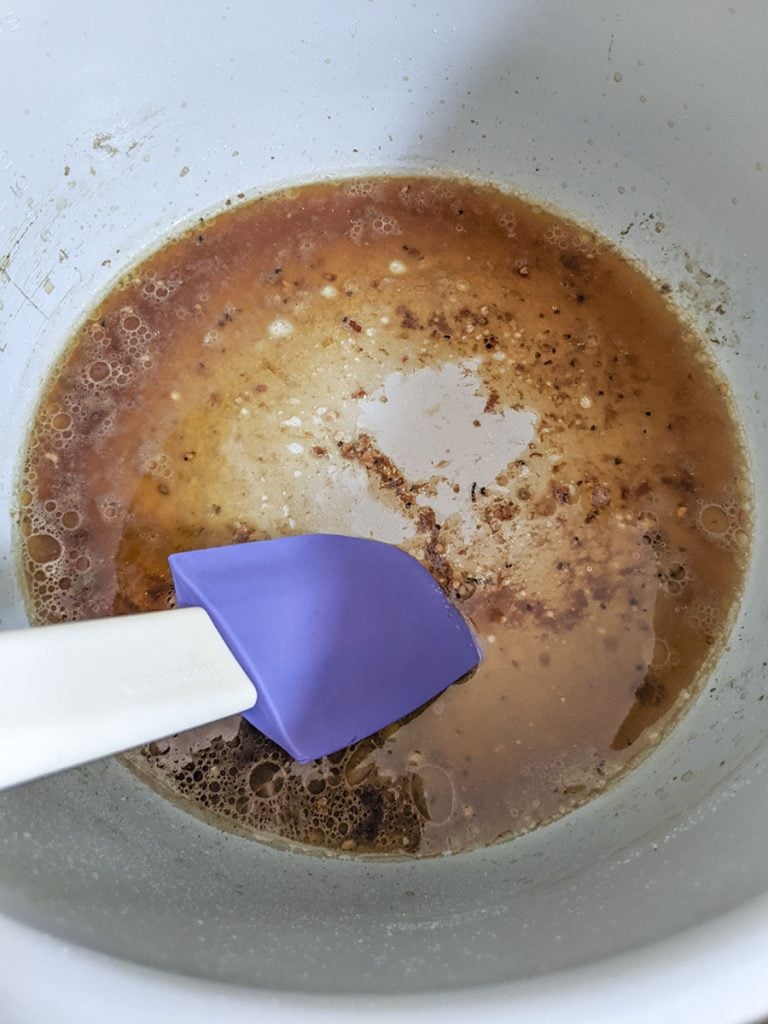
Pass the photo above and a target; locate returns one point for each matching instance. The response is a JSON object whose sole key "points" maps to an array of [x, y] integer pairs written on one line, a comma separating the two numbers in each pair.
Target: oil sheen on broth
{"points": [[447, 368]]}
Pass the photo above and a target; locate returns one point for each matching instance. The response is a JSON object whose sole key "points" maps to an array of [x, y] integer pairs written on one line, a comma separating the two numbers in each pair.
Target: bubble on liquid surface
{"points": [[43, 548]]}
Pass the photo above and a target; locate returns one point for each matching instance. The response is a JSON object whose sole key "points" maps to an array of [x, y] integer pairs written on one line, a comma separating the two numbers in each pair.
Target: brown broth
{"points": [[445, 367]]}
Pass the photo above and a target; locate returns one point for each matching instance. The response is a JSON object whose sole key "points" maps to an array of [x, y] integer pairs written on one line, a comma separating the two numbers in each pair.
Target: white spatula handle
{"points": [[75, 692]]}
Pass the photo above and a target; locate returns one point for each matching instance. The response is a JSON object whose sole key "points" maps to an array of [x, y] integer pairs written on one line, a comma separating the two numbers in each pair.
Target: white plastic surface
{"points": [[79, 691], [120, 123]]}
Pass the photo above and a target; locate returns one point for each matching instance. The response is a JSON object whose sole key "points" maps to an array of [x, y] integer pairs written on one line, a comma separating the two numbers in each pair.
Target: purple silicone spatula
{"points": [[317, 640]]}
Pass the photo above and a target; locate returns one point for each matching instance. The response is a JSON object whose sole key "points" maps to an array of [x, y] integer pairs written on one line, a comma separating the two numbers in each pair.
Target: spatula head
{"points": [[340, 636]]}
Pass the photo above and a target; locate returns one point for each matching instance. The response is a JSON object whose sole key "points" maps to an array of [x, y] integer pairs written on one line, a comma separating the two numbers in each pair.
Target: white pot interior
{"points": [[123, 122]]}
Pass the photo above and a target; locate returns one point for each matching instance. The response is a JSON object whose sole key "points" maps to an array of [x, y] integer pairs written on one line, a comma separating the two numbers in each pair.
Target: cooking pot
{"points": [[648, 121]]}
